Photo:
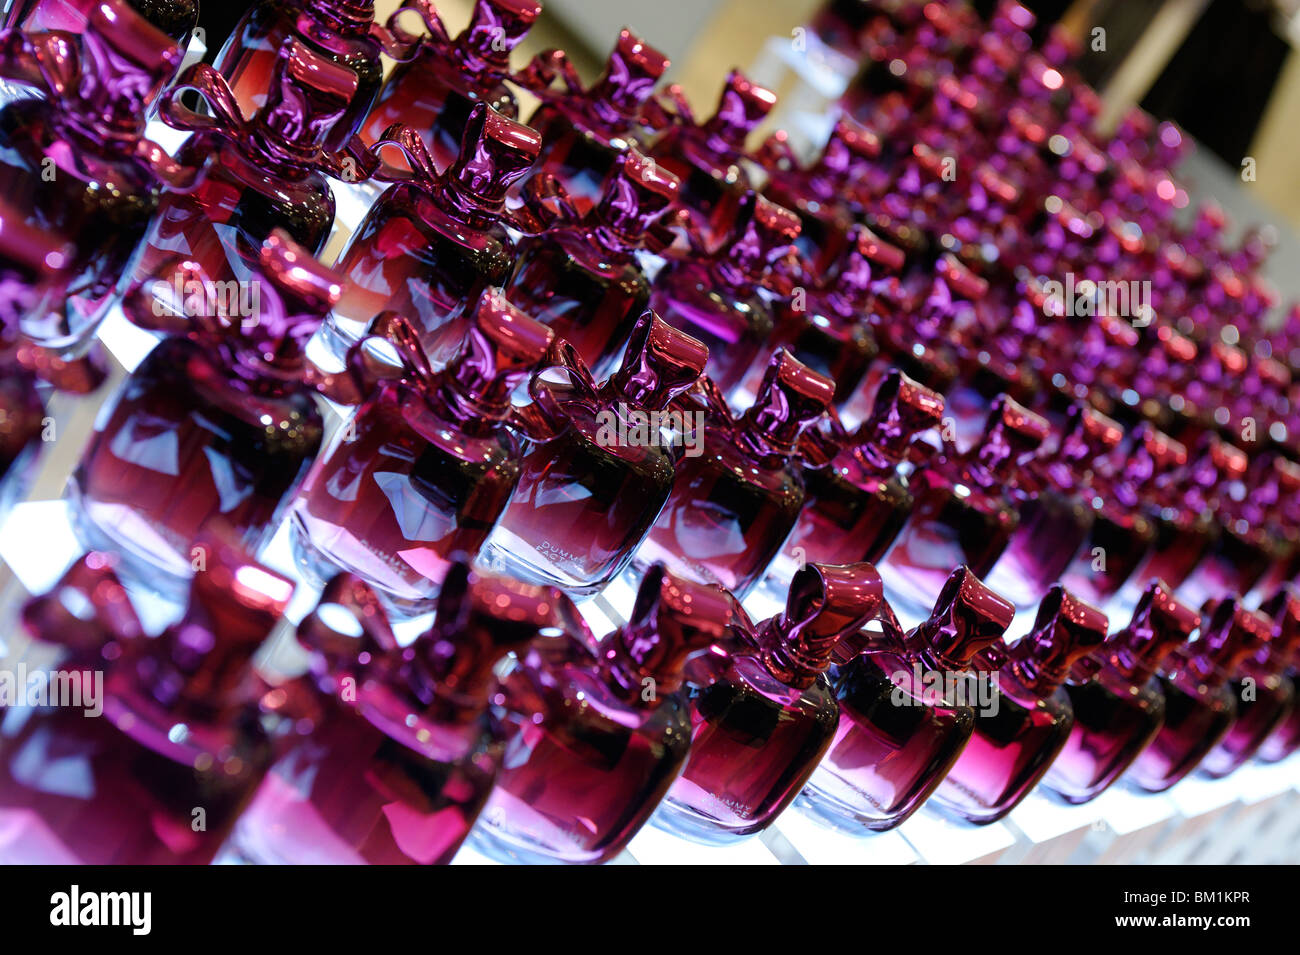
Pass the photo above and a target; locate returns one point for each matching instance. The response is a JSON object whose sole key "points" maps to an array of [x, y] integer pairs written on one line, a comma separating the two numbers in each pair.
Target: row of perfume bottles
{"points": [[509, 723]]}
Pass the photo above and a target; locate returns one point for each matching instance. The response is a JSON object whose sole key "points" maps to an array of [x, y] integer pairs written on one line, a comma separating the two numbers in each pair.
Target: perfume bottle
{"points": [[217, 422], [430, 246], [585, 131], [75, 161], [1054, 495], [1118, 704], [425, 467], [1265, 693], [262, 174], [1200, 705], [717, 294], [581, 275], [601, 463], [157, 758], [857, 503], [765, 718], [599, 731], [1018, 736], [964, 514], [434, 91], [1285, 738], [907, 708], [733, 505], [176, 18], [396, 748]]}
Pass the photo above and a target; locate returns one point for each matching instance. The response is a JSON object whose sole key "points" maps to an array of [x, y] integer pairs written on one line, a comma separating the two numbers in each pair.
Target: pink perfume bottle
{"points": [[1265, 693], [1118, 703], [1200, 705], [581, 275], [1054, 497], [964, 514], [260, 175], [601, 464], [585, 131], [424, 469], [431, 245], [601, 730], [217, 423], [765, 719], [434, 91], [906, 709], [717, 293], [176, 18], [1020, 733], [166, 749], [1285, 738], [857, 503], [396, 748], [733, 505], [74, 162]]}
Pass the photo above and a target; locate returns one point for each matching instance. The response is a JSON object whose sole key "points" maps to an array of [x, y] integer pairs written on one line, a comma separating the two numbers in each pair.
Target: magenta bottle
{"points": [[1285, 738], [430, 246], [1019, 734], [1118, 704], [717, 294], [158, 768], [423, 470], [176, 18], [396, 748], [75, 162], [964, 512], [906, 709], [581, 275], [599, 467], [733, 505], [764, 719], [601, 730], [434, 91], [857, 502], [1200, 703], [1264, 691], [217, 423]]}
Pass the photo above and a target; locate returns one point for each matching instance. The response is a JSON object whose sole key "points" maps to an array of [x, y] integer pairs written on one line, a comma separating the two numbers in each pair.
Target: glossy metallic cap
{"points": [[659, 364]]}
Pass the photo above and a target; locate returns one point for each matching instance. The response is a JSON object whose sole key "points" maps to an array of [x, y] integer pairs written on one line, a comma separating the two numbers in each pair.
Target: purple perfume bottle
{"points": [[1200, 705], [176, 18], [601, 463], [431, 245], [1118, 704], [75, 162], [1265, 693], [907, 708], [733, 505], [964, 513], [424, 469], [217, 423], [857, 503], [581, 276], [434, 91], [396, 748], [717, 294], [600, 730], [763, 721], [1018, 736], [1054, 497], [1285, 738], [156, 760]]}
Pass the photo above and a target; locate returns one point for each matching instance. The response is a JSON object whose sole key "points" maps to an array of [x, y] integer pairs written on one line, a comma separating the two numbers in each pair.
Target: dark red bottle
{"points": [[419, 476], [159, 775], [602, 729], [1200, 705], [1020, 734], [733, 505], [397, 747], [1118, 704], [764, 719], [906, 709], [581, 276], [217, 422]]}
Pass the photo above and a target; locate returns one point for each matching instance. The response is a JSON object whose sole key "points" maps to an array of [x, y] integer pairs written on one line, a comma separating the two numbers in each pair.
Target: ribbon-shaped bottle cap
{"points": [[308, 95], [902, 409], [741, 107], [495, 152], [659, 364], [967, 619], [633, 69], [1230, 635], [790, 398], [637, 194], [502, 347], [1065, 631], [1011, 433]]}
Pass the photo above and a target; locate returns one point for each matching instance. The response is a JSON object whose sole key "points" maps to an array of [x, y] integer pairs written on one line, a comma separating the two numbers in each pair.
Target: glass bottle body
{"points": [[1116, 546], [1285, 739], [1262, 706], [1196, 717], [1051, 529]]}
